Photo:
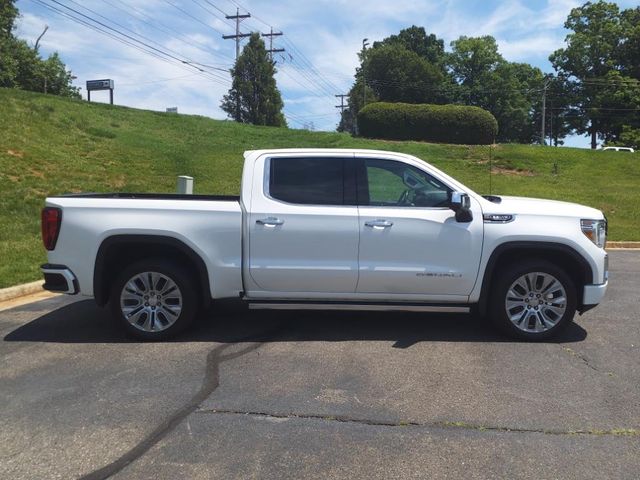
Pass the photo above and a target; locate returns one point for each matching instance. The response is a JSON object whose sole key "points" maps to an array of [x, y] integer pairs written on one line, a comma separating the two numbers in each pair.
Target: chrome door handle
{"points": [[270, 221], [378, 224]]}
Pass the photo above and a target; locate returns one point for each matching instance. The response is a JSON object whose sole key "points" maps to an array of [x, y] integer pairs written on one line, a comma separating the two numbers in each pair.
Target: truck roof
{"points": [[321, 150]]}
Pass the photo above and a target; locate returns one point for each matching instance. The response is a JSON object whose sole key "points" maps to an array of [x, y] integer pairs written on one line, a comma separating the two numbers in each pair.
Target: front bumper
{"points": [[593, 295], [58, 278]]}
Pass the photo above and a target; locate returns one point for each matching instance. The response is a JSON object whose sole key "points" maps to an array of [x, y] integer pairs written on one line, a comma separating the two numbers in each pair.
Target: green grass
{"points": [[50, 145]]}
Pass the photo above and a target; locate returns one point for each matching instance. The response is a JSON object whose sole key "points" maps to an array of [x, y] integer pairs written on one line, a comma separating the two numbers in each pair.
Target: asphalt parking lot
{"points": [[321, 395]]}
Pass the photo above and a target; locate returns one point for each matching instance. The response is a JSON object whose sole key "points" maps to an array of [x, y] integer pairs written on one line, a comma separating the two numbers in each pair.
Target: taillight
{"points": [[51, 219]]}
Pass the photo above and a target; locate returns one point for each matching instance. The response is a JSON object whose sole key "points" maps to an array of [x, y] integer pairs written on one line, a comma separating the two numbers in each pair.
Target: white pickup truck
{"points": [[329, 229]]}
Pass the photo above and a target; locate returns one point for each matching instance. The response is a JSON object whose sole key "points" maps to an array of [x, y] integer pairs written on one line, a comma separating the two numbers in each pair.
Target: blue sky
{"points": [[321, 39]]}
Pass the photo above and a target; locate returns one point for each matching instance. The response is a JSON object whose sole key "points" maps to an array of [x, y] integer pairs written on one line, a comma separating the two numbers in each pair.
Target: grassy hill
{"points": [[50, 145]]}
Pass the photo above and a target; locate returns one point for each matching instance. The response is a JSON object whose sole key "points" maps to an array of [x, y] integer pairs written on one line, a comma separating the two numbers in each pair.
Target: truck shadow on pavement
{"points": [[84, 322]]}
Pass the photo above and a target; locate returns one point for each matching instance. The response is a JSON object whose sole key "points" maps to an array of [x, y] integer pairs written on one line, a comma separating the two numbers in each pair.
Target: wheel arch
{"points": [[117, 251], [574, 264]]}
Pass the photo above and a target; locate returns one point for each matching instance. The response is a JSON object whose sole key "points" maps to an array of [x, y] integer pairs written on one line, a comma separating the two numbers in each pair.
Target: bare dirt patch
{"points": [[516, 172], [15, 153], [36, 173]]}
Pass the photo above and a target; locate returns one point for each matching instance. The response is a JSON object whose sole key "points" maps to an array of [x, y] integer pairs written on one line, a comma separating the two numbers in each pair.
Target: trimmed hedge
{"points": [[458, 124]]}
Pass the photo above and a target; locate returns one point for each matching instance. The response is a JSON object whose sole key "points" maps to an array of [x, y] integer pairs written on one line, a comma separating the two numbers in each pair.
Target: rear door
{"points": [[302, 227]]}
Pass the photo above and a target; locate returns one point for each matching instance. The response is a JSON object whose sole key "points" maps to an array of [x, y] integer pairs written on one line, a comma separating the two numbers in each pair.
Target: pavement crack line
{"points": [[209, 384], [403, 423], [584, 359]]}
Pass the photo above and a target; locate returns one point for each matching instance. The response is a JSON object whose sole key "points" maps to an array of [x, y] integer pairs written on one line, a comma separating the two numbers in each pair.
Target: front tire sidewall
{"points": [[504, 281], [176, 273]]}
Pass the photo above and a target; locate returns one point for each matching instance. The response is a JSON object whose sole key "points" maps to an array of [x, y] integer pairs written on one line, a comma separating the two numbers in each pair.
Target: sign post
{"points": [[104, 84]]}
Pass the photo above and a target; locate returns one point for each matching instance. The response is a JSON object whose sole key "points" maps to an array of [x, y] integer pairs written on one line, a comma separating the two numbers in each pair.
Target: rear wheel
{"points": [[154, 299], [533, 300]]}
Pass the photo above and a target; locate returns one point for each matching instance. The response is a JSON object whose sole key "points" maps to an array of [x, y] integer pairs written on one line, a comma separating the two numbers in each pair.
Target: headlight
{"points": [[595, 230]]}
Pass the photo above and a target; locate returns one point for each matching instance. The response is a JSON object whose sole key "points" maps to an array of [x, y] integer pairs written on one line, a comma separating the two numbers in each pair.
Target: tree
{"points": [[391, 72], [8, 15], [598, 47], [472, 58], [560, 112], [615, 106], [630, 137], [629, 50], [254, 96], [396, 74], [407, 67], [514, 95], [415, 39], [512, 92], [21, 65]]}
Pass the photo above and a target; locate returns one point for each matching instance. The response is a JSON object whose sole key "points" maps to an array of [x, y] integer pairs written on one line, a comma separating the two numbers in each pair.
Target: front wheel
{"points": [[533, 300], [154, 299]]}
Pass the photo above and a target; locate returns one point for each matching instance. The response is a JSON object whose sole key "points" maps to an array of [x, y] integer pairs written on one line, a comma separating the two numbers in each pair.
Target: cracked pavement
{"points": [[321, 395]]}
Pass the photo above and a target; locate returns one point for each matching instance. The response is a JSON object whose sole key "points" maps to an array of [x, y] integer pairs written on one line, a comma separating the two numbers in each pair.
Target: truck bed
{"points": [[209, 225], [151, 196]]}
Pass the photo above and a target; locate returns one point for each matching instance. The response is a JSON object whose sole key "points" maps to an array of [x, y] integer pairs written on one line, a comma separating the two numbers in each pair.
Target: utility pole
{"points": [[365, 44], [551, 126], [342, 106], [544, 111], [272, 50], [237, 17], [46, 27]]}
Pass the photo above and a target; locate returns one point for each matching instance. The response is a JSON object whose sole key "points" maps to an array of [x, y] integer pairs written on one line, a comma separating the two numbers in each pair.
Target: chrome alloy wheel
{"points": [[151, 301], [536, 302]]}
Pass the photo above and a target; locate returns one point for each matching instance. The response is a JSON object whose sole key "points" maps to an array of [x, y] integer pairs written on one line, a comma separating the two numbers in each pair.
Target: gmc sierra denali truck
{"points": [[329, 229]]}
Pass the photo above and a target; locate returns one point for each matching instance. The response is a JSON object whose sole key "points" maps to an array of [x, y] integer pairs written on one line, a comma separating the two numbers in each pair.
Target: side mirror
{"points": [[461, 204]]}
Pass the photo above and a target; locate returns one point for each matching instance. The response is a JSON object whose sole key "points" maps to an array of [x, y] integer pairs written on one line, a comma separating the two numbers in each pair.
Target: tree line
{"points": [[21, 66], [594, 90]]}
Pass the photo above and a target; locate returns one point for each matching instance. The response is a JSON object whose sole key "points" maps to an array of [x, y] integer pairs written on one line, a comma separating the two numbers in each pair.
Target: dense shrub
{"points": [[434, 123]]}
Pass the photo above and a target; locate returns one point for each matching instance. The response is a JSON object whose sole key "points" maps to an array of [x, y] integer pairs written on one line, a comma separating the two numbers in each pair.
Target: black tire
{"points": [[167, 323], [505, 278]]}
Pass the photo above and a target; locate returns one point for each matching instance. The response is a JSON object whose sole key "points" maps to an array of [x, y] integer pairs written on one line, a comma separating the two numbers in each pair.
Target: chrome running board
{"points": [[358, 306]]}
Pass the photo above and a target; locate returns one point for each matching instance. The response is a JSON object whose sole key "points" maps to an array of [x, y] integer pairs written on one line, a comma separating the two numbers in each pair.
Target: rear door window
{"points": [[307, 181]]}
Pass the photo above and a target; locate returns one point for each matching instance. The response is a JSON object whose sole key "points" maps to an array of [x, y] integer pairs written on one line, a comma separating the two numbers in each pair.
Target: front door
{"points": [[410, 241]]}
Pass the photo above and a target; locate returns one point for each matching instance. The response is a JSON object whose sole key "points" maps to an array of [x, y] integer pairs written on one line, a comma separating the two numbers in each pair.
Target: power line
{"points": [[127, 40], [218, 9], [160, 80], [91, 19], [161, 27], [314, 76], [192, 17], [310, 86], [306, 77], [238, 5], [203, 7], [306, 62], [137, 34]]}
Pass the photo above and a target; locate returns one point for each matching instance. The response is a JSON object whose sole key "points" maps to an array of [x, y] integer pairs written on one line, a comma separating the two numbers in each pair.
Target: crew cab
{"points": [[329, 229]]}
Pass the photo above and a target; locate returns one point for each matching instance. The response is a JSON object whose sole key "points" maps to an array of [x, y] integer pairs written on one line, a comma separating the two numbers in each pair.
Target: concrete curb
{"points": [[21, 290], [630, 245]]}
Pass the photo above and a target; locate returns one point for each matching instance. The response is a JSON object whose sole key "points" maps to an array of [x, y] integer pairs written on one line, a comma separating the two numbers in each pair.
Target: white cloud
{"points": [[536, 47]]}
